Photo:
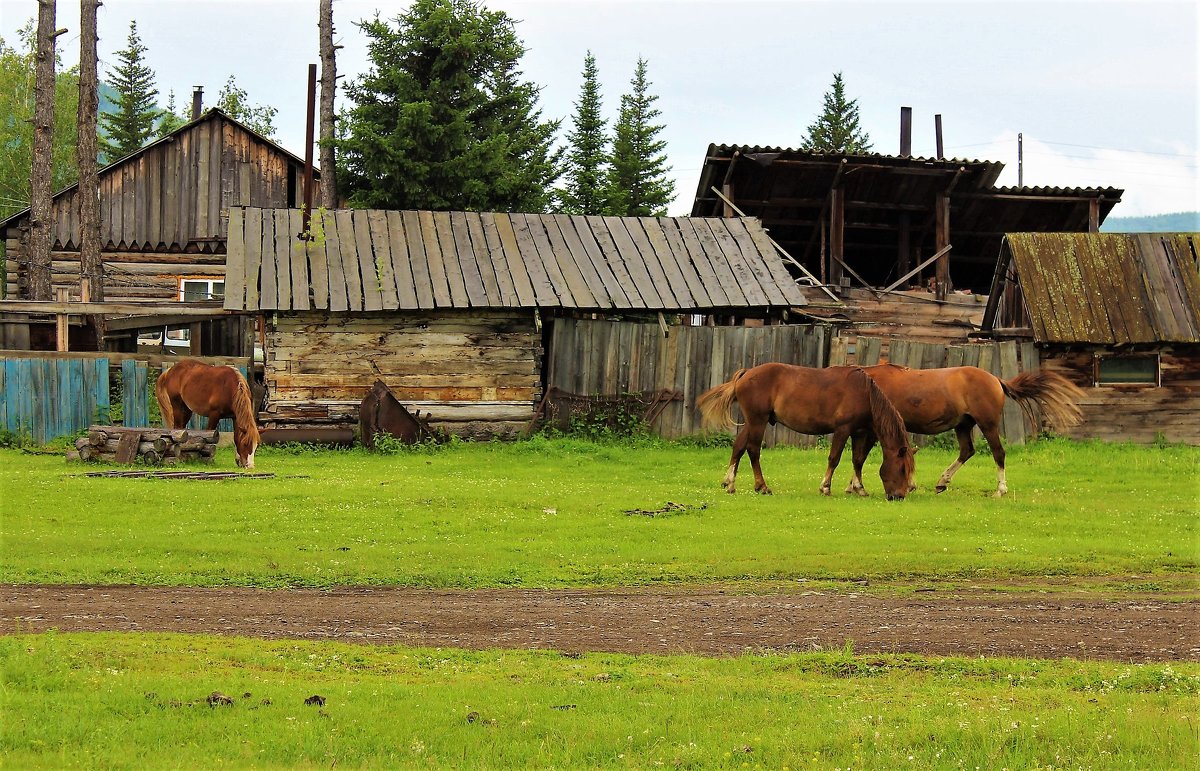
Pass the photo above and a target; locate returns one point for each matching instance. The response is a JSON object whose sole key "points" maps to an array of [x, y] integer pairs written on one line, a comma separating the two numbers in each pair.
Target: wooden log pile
{"points": [[153, 446]]}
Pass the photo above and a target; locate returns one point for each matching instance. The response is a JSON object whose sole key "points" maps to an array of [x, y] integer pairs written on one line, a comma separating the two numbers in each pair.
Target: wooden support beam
{"points": [[936, 256], [62, 340], [116, 308], [1094, 215], [941, 241], [837, 235]]}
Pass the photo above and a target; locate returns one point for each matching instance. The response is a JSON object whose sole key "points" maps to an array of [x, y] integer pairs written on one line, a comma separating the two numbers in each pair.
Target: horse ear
{"points": [[914, 450]]}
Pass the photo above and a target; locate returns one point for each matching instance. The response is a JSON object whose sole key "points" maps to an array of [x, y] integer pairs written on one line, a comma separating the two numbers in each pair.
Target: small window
{"points": [[201, 289], [1127, 370]]}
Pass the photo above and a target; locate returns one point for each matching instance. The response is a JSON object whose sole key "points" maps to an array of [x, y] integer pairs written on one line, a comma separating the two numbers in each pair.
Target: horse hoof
{"points": [[825, 491], [729, 489], [940, 489]]}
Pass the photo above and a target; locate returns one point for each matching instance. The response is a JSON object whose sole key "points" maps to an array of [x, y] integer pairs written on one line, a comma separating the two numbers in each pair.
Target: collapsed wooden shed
{"points": [[452, 310], [1119, 314], [164, 213]]}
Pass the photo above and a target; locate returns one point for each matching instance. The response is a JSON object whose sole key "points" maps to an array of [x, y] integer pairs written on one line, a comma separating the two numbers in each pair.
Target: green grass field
{"points": [[550, 513], [560, 513]]}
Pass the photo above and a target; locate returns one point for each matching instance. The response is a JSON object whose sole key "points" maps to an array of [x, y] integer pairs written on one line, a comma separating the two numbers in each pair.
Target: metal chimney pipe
{"points": [[197, 101], [905, 131], [937, 130]]}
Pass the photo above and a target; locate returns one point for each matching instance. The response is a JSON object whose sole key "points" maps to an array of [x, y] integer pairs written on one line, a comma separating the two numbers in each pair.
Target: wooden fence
{"points": [[48, 398], [48, 395], [609, 358], [1003, 359], [617, 357]]}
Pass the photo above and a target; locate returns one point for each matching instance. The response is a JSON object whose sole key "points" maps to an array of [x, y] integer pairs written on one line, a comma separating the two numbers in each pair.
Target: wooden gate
{"points": [[45, 398]]}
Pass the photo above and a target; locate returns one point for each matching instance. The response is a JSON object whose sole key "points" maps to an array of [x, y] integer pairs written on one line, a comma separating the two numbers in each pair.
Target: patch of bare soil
{"points": [[706, 621]]}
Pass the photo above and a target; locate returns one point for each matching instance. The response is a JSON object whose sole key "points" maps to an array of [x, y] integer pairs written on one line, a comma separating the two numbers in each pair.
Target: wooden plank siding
{"points": [[477, 372], [422, 260]]}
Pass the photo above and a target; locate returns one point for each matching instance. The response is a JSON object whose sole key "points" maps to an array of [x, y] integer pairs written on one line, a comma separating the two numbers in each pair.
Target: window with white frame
{"points": [[201, 289]]}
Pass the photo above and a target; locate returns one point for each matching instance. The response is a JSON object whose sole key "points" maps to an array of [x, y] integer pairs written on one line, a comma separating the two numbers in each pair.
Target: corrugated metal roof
{"points": [[1110, 288], [365, 260]]}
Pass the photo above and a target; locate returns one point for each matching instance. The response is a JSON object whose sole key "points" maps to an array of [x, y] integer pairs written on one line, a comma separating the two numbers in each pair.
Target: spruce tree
{"points": [[442, 119], [586, 157], [127, 129], [837, 129], [169, 118], [637, 184]]}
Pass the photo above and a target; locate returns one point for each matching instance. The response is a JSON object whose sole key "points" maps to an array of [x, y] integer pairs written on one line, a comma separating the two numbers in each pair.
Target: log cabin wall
{"points": [[476, 372], [1143, 414], [164, 211]]}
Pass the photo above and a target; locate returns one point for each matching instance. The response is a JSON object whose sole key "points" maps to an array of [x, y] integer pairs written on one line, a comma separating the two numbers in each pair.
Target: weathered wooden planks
{"points": [[421, 260]]}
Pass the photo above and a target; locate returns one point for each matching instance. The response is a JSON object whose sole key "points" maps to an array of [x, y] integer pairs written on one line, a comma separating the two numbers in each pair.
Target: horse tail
{"points": [[1053, 395], [885, 418], [243, 410], [164, 401], [715, 404]]}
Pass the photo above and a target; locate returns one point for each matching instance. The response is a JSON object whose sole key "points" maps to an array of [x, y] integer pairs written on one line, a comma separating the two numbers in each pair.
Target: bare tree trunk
{"points": [[91, 264], [328, 87], [40, 219]]}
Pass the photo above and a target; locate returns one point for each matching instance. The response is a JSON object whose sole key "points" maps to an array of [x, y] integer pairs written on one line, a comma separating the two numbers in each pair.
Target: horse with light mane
{"points": [[213, 391], [842, 401], [935, 400]]}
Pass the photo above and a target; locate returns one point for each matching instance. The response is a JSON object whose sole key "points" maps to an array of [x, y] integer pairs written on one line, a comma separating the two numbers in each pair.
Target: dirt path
{"points": [[706, 621]]}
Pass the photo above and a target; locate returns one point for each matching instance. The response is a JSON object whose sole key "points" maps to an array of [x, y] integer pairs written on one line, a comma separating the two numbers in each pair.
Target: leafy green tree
{"points": [[169, 118], [837, 129], [16, 123], [132, 124], [586, 154], [442, 119], [233, 101], [637, 183]]}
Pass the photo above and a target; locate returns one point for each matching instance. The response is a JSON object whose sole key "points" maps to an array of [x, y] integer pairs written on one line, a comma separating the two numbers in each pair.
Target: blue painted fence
{"points": [[49, 398]]}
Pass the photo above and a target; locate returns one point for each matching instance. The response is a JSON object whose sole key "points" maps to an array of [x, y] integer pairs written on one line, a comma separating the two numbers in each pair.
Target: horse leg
{"points": [[739, 447], [992, 433], [966, 448], [836, 445], [860, 448], [753, 449], [180, 413]]}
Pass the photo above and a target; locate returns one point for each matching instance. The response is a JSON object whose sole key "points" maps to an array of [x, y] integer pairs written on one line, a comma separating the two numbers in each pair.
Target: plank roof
{"points": [[374, 260], [1110, 288]]}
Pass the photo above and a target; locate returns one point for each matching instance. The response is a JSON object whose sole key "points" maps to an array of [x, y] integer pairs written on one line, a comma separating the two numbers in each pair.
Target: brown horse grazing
{"points": [[843, 401], [935, 400], [215, 392]]}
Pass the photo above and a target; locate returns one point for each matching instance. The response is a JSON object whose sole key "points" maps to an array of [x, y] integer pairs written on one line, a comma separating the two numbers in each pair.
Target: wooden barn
{"points": [[907, 244], [452, 310], [164, 219], [1119, 314]]}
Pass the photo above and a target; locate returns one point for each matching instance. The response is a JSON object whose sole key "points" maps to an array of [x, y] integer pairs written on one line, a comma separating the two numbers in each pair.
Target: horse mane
{"points": [[715, 403], [885, 418], [244, 422]]}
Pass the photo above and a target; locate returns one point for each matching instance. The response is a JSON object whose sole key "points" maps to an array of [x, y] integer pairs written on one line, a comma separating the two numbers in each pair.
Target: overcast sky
{"points": [[1105, 93]]}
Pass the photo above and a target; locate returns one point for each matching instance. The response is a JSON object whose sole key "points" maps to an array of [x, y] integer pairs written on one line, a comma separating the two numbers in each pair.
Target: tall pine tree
{"points": [[586, 156], [837, 129], [132, 124], [637, 184], [443, 120]]}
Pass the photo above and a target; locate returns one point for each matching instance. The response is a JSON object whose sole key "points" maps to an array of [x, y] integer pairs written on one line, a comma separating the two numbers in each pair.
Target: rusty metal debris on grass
{"points": [[668, 509], [179, 474]]}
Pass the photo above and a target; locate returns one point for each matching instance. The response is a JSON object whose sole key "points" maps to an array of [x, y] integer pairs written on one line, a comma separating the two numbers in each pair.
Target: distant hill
{"points": [[1179, 222]]}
